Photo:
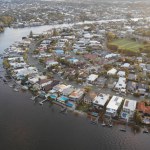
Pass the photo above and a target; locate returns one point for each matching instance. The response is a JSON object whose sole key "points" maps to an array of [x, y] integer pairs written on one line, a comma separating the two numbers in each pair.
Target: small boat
{"points": [[16, 90], [24, 88], [110, 125], [123, 129], [145, 130], [103, 124]]}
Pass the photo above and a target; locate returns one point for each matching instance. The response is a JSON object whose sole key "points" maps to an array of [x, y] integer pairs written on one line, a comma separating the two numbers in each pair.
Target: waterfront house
{"points": [[35, 79], [61, 87], [128, 109], [113, 106], [77, 94], [25, 71], [144, 110], [67, 91], [101, 100]]}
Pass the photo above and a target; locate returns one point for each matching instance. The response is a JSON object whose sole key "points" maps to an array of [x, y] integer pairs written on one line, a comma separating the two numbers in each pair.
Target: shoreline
{"points": [[75, 111]]}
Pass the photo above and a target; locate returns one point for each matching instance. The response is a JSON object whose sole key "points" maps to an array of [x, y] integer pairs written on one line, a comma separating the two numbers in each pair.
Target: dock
{"points": [[41, 103], [34, 97]]}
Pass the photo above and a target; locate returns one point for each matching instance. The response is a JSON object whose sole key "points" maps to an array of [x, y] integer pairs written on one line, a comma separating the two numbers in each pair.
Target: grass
{"points": [[127, 44]]}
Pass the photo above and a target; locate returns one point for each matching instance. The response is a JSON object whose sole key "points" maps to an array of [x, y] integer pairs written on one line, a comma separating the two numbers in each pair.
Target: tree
{"points": [[111, 36], [137, 117], [55, 32], [31, 34]]}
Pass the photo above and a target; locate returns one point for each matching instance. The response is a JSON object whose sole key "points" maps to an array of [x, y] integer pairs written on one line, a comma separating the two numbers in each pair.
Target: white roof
{"points": [[126, 65], [101, 99], [111, 55], [121, 73], [92, 77], [112, 71], [121, 83], [130, 104], [114, 103]]}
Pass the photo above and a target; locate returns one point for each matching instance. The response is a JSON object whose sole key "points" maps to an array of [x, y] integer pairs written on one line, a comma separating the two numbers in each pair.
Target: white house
{"points": [[100, 100], [121, 73], [112, 71], [121, 85], [92, 77], [113, 105], [129, 107], [26, 71], [125, 65]]}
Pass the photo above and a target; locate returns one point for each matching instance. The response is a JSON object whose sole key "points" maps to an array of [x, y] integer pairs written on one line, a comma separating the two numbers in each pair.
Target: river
{"points": [[25, 125]]}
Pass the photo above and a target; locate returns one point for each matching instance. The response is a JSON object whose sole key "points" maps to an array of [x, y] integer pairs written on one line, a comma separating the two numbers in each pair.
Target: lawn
{"points": [[127, 44]]}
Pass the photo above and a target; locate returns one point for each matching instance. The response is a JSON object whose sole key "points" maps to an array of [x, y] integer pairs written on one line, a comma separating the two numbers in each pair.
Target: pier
{"points": [[41, 103], [34, 97]]}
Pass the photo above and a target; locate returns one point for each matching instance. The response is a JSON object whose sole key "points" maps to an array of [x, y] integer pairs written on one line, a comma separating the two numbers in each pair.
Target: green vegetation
{"points": [[83, 107], [1, 29], [25, 57], [143, 32], [6, 63], [7, 20], [137, 117], [127, 46]]}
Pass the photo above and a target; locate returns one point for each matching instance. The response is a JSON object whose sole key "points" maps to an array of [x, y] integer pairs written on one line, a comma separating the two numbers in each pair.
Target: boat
{"points": [[103, 124], [123, 129], [24, 88], [16, 90], [145, 130], [110, 125]]}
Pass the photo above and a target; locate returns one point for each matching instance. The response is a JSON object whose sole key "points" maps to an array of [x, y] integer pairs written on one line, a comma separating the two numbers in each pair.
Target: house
{"points": [[59, 52], [47, 87], [125, 65], [121, 73], [92, 78], [128, 109], [16, 65], [139, 59], [144, 109], [25, 71], [121, 85], [112, 71], [108, 56], [113, 106], [77, 95], [132, 86], [34, 79], [100, 100], [132, 77], [101, 81], [142, 88], [50, 63], [61, 87], [67, 91]]}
